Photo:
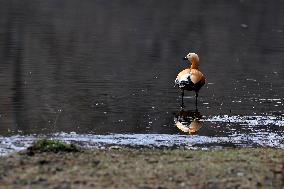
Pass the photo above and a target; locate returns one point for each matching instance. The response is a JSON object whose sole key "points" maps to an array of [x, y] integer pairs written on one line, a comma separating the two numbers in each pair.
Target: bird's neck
{"points": [[194, 65]]}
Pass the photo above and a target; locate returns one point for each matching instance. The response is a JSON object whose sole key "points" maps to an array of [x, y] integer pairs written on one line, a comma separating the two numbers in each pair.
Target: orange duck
{"points": [[190, 79]]}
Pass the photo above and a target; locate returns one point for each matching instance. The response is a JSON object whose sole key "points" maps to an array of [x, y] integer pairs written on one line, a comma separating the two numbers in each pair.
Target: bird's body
{"points": [[191, 79]]}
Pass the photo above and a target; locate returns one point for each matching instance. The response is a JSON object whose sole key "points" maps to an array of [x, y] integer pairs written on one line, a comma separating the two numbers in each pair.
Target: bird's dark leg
{"points": [[182, 94], [196, 96]]}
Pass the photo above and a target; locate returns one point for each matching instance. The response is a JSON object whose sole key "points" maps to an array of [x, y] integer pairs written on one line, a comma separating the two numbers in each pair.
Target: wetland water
{"points": [[108, 67]]}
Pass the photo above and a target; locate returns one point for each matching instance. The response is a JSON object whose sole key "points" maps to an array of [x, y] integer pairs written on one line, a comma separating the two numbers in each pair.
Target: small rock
{"points": [[240, 174], [80, 182], [43, 161], [96, 162], [244, 25], [115, 147]]}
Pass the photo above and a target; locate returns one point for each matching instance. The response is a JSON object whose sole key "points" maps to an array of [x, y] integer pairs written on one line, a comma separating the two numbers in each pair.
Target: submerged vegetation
{"points": [[47, 145]]}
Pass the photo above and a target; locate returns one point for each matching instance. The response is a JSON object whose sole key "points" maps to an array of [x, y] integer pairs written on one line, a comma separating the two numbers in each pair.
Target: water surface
{"points": [[108, 67]]}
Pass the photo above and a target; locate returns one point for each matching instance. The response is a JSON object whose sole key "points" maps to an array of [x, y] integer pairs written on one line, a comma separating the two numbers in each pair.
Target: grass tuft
{"points": [[46, 145]]}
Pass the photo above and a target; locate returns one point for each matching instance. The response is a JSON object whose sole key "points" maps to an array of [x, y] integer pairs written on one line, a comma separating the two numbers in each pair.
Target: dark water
{"points": [[101, 67]]}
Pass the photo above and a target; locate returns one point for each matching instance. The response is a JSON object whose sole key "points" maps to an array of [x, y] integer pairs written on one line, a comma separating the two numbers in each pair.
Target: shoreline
{"points": [[17, 143], [121, 167]]}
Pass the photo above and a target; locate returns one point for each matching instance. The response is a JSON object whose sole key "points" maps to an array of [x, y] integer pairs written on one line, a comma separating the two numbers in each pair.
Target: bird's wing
{"points": [[196, 76], [183, 75]]}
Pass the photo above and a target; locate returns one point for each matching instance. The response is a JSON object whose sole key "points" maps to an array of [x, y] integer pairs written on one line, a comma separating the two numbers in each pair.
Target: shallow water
{"points": [[101, 67]]}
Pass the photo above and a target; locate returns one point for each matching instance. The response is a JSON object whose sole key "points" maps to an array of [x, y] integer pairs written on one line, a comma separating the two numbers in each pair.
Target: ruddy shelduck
{"points": [[188, 121], [191, 128], [190, 79]]}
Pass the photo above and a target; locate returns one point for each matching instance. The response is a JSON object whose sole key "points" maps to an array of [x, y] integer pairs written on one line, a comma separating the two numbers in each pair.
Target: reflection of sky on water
{"points": [[261, 139]]}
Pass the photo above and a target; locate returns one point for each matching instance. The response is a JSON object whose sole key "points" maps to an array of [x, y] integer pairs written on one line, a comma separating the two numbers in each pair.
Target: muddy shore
{"points": [[144, 169]]}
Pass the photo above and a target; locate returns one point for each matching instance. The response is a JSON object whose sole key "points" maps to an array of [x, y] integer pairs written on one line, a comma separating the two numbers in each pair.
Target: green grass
{"points": [[46, 145]]}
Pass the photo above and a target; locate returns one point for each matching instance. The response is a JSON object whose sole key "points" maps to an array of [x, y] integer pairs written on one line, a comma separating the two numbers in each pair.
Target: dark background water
{"points": [[97, 66]]}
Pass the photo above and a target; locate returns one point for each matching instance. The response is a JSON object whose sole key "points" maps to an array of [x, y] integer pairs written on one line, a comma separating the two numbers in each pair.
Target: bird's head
{"points": [[193, 58]]}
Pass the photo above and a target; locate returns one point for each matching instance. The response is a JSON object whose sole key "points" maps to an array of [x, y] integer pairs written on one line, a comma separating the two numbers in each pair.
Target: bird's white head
{"points": [[193, 58]]}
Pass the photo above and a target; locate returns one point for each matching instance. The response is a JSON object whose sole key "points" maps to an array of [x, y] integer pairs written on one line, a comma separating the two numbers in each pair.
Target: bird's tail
{"points": [[176, 82]]}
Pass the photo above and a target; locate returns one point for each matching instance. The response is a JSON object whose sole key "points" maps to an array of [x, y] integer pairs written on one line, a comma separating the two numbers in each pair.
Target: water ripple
{"points": [[249, 120]]}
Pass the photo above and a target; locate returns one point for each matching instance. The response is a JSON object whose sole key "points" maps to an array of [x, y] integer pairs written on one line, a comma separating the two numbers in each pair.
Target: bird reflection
{"points": [[188, 121]]}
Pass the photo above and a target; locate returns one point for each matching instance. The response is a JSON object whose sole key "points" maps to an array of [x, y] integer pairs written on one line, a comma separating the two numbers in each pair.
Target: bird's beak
{"points": [[185, 58]]}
